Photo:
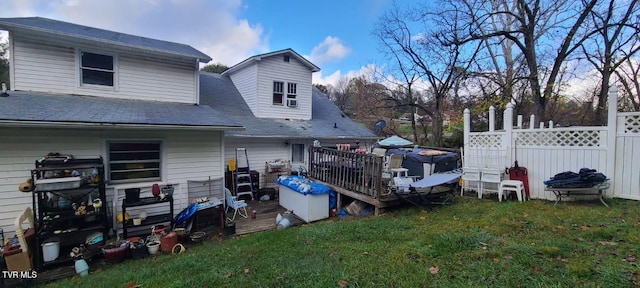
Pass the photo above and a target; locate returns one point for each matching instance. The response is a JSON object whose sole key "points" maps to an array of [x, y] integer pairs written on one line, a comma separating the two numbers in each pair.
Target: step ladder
{"points": [[243, 180]]}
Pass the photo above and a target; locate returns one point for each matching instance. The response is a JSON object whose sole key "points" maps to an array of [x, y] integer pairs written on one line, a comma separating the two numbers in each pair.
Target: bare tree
{"points": [[424, 47], [545, 32], [614, 43], [339, 93], [629, 78]]}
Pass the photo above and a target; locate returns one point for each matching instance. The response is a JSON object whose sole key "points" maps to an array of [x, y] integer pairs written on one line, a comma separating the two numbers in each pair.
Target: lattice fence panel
{"points": [[632, 124], [588, 138], [486, 140]]}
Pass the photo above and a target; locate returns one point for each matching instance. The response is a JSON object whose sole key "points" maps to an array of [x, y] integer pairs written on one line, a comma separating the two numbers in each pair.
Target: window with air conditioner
{"points": [[292, 94]]}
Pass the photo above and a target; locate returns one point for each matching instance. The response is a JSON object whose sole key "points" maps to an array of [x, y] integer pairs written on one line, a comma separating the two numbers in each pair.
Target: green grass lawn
{"points": [[473, 243]]}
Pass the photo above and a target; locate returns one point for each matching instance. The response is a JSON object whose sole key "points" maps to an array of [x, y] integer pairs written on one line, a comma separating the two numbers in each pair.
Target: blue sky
{"points": [[333, 34]]}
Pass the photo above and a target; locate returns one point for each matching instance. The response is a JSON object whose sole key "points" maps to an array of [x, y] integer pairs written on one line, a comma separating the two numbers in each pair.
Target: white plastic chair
{"points": [[492, 171], [471, 172], [238, 206]]}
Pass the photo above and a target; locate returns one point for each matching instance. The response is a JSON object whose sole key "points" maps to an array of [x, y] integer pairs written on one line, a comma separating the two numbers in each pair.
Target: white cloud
{"points": [[330, 49], [211, 26]]}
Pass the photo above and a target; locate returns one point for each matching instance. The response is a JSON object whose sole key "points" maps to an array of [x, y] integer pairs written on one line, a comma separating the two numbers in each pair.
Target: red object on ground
{"points": [[168, 241], [520, 173]]}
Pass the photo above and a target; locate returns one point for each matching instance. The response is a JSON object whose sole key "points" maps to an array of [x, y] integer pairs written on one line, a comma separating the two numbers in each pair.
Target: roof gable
{"points": [[253, 59], [327, 121], [52, 27]]}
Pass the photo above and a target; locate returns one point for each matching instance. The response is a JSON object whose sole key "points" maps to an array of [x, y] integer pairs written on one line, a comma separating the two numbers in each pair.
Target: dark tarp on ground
{"points": [[413, 161]]}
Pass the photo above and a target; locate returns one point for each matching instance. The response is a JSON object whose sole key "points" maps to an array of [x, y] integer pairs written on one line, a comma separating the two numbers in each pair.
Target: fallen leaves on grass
{"points": [[557, 228], [496, 260], [559, 258], [608, 243], [635, 278], [537, 270], [228, 275], [584, 227], [631, 259], [423, 218], [246, 270], [434, 270], [132, 284], [342, 283]]}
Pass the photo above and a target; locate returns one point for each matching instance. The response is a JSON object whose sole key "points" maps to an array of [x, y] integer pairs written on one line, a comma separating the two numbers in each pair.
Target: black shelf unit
{"points": [[55, 218], [151, 219]]}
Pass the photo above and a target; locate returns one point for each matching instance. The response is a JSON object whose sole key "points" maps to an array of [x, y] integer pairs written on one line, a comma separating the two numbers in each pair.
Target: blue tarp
{"points": [[305, 186]]}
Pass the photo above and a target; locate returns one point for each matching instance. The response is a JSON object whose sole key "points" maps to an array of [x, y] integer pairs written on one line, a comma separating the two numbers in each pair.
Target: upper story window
{"points": [[97, 69], [278, 92], [134, 161], [291, 95], [291, 90]]}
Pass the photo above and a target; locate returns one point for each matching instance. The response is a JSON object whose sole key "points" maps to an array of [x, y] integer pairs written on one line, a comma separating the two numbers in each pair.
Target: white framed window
{"points": [[278, 92], [97, 69], [292, 93], [134, 161]]}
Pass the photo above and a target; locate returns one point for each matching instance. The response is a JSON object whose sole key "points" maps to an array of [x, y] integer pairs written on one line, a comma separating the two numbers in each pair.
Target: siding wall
{"points": [[259, 152], [186, 156], [245, 82], [52, 67], [275, 69]]}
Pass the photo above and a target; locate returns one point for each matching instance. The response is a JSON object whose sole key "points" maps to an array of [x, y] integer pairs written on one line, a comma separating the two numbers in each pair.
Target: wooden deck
{"points": [[266, 213]]}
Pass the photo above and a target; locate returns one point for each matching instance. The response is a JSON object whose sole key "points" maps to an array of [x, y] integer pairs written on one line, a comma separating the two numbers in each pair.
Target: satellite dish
{"points": [[379, 125]]}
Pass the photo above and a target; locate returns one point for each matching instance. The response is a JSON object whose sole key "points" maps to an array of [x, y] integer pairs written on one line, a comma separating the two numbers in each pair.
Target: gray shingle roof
{"points": [[43, 108], [219, 92], [50, 26]]}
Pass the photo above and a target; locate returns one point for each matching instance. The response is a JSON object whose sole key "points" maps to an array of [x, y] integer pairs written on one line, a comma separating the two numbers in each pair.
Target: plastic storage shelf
{"points": [[151, 219], [56, 201]]}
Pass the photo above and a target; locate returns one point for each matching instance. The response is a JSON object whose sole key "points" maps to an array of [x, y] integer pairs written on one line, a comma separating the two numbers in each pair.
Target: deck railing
{"points": [[356, 172]]}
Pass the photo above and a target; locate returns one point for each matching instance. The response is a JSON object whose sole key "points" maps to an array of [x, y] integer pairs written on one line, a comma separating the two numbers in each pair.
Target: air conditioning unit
{"points": [[292, 103]]}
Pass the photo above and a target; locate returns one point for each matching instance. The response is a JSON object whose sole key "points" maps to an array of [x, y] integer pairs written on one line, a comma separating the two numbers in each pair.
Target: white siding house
{"points": [[77, 91], [54, 68], [279, 126], [85, 92], [255, 79]]}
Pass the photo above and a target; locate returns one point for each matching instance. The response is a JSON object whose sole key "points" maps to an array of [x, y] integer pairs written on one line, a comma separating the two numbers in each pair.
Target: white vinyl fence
{"points": [[546, 151]]}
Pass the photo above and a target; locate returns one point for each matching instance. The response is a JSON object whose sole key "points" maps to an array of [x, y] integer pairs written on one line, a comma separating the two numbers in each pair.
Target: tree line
{"points": [[444, 56]]}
